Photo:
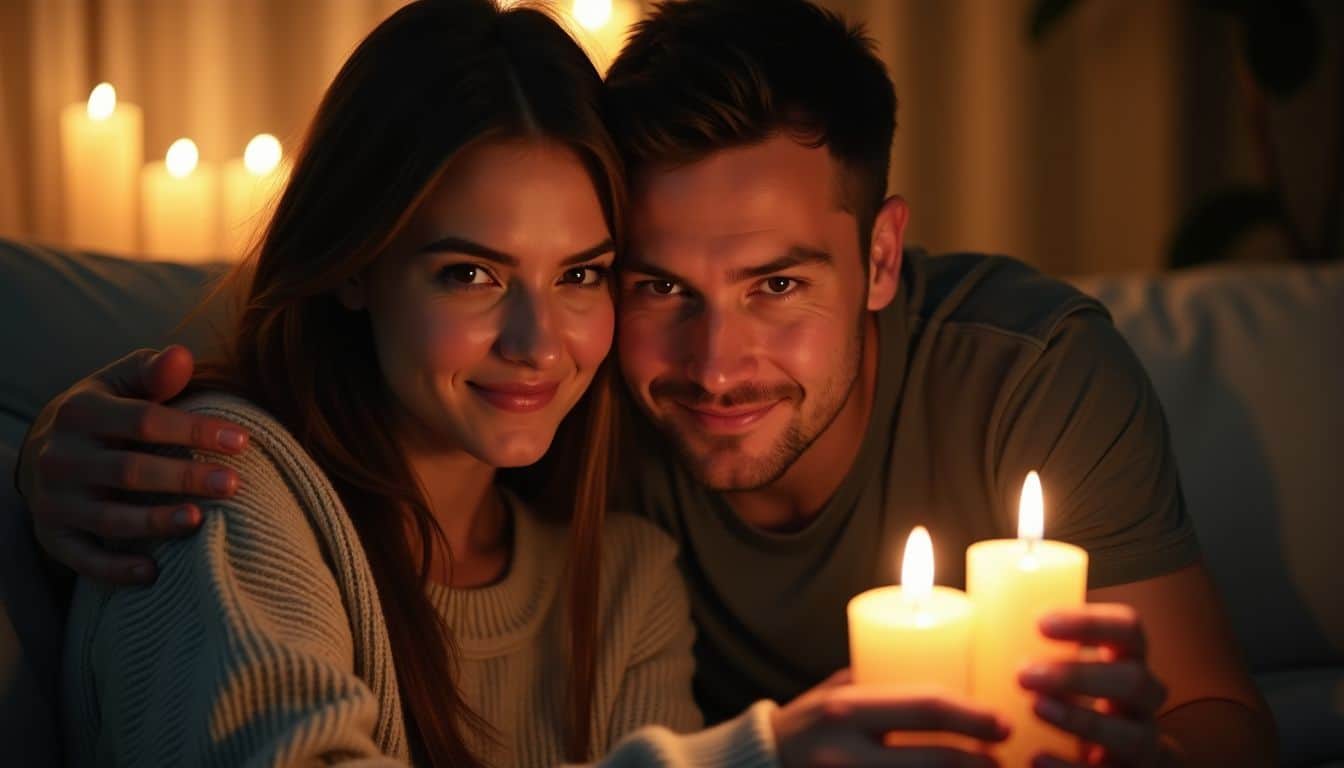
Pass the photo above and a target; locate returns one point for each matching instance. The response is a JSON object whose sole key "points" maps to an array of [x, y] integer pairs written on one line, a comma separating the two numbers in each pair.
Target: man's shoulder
{"points": [[992, 292]]}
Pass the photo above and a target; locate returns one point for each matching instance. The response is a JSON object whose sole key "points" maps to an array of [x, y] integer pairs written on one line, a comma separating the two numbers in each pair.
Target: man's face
{"points": [[742, 313]]}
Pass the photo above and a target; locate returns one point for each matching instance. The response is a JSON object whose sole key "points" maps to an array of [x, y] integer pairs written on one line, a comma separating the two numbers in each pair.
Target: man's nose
{"points": [[528, 335], [718, 353]]}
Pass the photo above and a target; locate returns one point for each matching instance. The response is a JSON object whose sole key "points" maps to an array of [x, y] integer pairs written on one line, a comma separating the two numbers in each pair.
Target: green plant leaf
{"points": [[1044, 15], [1214, 224], [1281, 43]]}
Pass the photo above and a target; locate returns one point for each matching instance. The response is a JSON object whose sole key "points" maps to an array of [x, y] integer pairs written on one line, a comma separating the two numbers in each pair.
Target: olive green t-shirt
{"points": [[987, 370]]}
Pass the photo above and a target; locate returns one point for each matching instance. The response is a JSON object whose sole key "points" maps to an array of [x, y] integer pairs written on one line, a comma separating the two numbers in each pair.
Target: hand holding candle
{"points": [[1013, 583]]}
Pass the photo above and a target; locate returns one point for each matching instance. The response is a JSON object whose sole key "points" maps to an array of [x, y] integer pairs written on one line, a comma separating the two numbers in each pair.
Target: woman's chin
{"points": [[515, 449]]}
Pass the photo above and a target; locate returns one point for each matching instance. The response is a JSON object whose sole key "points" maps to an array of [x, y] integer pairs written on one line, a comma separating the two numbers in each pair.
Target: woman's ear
{"points": [[353, 293], [884, 252]]}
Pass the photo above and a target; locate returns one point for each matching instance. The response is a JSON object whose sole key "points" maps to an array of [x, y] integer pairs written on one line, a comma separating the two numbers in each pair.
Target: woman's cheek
{"points": [[452, 341], [590, 335]]}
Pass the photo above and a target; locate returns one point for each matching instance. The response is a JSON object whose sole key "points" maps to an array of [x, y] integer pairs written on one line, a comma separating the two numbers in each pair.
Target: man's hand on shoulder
{"points": [[80, 453]]}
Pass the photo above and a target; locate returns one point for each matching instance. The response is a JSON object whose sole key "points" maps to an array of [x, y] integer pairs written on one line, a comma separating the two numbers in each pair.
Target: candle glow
{"points": [[102, 102], [262, 154], [592, 14], [182, 158]]}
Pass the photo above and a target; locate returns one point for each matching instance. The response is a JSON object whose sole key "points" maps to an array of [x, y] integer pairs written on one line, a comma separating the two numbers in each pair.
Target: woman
{"points": [[428, 304]]}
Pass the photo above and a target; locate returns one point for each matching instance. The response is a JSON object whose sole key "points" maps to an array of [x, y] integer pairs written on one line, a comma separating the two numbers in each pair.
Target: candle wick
{"points": [[1031, 546]]}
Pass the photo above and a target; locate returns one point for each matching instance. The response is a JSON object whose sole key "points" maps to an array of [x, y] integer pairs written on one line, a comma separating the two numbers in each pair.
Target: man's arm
{"points": [[1213, 712], [79, 459]]}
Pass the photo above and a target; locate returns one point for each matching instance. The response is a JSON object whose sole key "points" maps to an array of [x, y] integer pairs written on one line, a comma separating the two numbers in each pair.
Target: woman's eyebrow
{"points": [[463, 245]]}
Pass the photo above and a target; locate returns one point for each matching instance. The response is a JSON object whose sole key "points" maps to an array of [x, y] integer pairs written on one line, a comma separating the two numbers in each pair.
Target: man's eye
{"points": [[661, 287], [587, 276], [779, 286], [462, 275]]}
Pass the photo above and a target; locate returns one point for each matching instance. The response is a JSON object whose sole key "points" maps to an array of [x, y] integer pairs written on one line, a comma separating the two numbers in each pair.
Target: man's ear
{"points": [[884, 252], [353, 293]]}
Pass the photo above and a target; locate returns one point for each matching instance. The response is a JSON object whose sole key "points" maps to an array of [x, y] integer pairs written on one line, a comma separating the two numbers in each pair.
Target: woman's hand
{"points": [[82, 449], [839, 724]]}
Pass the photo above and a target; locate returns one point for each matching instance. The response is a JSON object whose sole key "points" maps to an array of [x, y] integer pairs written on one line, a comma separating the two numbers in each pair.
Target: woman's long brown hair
{"points": [[434, 78]]}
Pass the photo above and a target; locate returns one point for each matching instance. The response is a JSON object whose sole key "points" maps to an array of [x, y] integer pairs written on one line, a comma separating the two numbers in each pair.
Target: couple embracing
{"points": [[560, 419]]}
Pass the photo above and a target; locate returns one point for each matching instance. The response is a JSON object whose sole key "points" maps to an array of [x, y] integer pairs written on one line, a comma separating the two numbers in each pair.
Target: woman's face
{"points": [[491, 311]]}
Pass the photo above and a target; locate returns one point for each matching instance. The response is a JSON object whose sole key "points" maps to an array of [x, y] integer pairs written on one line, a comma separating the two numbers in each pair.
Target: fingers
{"points": [[93, 562], [1127, 742], [149, 473], [148, 374], [101, 415], [123, 521], [877, 713], [1128, 684], [1110, 625]]}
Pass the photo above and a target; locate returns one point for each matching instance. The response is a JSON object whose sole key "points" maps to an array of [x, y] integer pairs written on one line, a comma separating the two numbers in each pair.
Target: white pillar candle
{"points": [[102, 149], [252, 185], [1013, 582], [180, 206]]}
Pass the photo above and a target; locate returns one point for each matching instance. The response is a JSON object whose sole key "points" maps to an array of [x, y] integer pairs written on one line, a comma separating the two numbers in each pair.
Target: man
{"points": [[810, 391]]}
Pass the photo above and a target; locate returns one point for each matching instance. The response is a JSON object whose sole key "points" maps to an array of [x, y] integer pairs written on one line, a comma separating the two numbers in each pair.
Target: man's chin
{"points": [[728, 470]]}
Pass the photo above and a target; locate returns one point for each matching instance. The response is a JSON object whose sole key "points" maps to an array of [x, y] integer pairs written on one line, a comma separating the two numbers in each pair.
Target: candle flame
{"points": [[917, 564], [1031, 510], [102, 101], [592, 14], [182, 158], [262, 154]]}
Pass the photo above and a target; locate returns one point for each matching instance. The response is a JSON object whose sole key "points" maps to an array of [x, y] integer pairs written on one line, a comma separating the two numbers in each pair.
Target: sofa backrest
{"points": [[1249, 365]]}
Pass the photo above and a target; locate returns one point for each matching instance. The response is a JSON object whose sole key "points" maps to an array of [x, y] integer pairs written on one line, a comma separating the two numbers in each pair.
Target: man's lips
{"points": [[728, 420], [514, 396]]}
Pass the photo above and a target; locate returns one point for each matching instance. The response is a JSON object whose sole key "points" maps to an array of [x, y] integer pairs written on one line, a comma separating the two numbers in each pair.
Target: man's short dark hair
{"points": [[699, 76]]}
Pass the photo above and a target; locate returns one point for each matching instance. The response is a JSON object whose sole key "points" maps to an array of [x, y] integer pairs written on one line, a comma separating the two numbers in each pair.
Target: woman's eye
{"points": [[778, 286], [587, 276], [661, 287], [462, 275]]}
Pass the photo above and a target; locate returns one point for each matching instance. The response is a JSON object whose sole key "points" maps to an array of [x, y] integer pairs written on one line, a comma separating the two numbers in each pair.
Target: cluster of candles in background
{"points": [[184, 209], [921, 637], [178, 208]]}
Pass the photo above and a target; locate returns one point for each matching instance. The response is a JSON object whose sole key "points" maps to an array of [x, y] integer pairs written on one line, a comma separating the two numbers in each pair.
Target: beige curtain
{"points": [[1078, 155]]}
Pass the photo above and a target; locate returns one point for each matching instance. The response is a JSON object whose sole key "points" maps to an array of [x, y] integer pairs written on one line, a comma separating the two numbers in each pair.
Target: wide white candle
{"points": [[181, 214], [252, 184], [102, 149], [1013, 582], [915, 638]]}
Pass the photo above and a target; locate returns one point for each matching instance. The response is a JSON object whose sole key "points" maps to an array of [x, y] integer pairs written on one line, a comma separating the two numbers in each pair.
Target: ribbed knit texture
{"points": [[262, 641]]}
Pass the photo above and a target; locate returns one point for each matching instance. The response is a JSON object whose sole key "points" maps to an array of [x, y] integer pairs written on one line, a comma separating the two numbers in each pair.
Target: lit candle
{"points": [[251, 185], [181, 216], [1012, 583], [102, 149], [915, 637], [605, 24]]}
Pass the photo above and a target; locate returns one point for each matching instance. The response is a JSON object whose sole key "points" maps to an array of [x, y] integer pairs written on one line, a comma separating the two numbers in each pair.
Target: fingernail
{"points": [[219, 482], [1050, 709], [232, 439], [1036, 675], [185, 517]]}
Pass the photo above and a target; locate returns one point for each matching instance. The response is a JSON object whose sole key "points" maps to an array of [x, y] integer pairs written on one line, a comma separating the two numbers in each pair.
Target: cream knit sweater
{"points": [[262, 641]]}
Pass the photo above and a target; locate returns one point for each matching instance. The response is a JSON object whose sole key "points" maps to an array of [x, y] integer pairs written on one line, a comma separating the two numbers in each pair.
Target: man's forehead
{"points": [[773, 185]]}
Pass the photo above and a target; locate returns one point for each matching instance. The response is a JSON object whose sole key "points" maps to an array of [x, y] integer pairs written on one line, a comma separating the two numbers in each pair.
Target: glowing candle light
{"points": [[252, 184], [102, 149], [180, 211], [1012, 583]]}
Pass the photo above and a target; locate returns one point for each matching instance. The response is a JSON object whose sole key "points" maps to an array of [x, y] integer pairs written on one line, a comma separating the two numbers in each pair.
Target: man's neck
{"points": [[792, 501]]}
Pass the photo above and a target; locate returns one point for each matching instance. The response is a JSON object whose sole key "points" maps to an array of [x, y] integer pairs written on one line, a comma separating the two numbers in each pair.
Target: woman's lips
{"points": [[728, 421], [516, 397]]}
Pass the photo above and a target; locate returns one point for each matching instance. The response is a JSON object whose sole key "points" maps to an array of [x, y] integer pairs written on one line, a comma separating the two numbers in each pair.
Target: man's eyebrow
{"points": [[797, 256], [462, 245]]}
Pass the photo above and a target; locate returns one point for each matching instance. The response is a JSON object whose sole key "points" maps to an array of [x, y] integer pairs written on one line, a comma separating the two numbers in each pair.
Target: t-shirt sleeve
{"points": [[1086, 417]]}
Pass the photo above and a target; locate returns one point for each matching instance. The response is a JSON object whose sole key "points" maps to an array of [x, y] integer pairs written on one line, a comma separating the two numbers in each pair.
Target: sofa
{"points": [[1248, 362]]}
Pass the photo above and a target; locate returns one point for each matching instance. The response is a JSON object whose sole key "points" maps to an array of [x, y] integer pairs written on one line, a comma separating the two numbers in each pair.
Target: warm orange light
{"points": [[102, 101], [182, 158], [592, 14], [262, 154], [1031, 510], [917, 565]]}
